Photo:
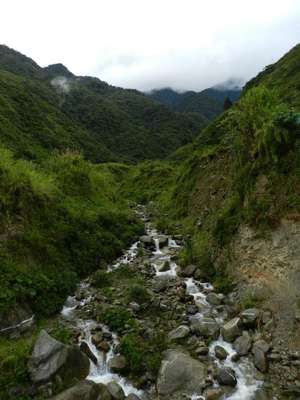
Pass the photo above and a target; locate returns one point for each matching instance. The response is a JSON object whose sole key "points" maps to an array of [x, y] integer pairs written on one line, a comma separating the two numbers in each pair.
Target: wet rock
{"points": [[232, 329], [202, 351], [104, 392], [180, 373], [116, 391], [180, 332], [132, 396], [206, 327], [261, 395], [226, 376], [97, 338], [117, 363], [192, 309], [84, 390], [189, 271], [242, 344], [50, 357], [162, 240], [213, 394], [103, 346], [85, 348], [164, 267], [213, 299], [221, 353], [250, 317], [262, 345]]}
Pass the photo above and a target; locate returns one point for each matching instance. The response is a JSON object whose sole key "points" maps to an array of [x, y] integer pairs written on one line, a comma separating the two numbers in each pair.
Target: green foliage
{"points": [[139, 294], [118, 318], [142, 354], [100, 279], [59, 221]]}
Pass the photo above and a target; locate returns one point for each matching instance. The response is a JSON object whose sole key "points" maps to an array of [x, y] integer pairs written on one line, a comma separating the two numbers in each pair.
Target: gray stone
{"points": [[214, 393], [213, 299], [179, 372], [262, 345], [163, 240], [206, 327], [116, 391], [260, 360], [132, 396], [84, 390], [226, 376], [85, 348], [231, 330], [117, 363], [221, 353], [17, 319], [242, 344], [189, 270], [51, 357], [250, 317], [180, 332], [104, 392], [164, 267]]}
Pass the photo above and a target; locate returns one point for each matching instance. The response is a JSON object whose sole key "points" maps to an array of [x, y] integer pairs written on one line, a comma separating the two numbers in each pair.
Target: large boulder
{"points": [[250, 317], [117, 363], [221, 353], [51, 357], [84, 390], [189, 270], [214, 299], [179, 372], [116, 391], [85, 348], [259, 350], [242, 344], [178, 333], [232, 329], [206, 327], [226, 376]]}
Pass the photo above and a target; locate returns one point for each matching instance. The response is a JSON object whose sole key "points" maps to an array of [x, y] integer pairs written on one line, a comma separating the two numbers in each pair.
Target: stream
{"points": [[245, 372]]}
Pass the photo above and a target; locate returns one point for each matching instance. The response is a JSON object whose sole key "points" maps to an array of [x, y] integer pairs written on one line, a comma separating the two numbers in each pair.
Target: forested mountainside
{"points": [[45, 109], [208, 103]]}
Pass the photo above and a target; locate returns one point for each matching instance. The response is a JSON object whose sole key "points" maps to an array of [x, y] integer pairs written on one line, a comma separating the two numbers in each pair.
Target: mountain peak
{"points": [[58, 69]]}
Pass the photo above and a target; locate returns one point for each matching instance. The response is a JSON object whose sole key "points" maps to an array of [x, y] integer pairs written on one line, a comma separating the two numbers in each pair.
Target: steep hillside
{"points": [[235, 193], [208, 103], [46, 109]]}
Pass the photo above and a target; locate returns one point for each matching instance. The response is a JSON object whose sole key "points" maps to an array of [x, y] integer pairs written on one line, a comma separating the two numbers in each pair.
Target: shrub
{"points": [[139, 294]]}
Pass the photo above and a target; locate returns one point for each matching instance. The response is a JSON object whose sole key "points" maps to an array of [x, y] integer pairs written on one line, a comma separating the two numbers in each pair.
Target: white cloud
{"points": [[143, 44]]}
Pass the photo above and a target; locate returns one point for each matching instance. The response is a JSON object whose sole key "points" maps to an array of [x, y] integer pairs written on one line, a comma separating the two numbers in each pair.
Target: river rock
{"points": [[226, 376], [162, 240], [213, 299], [206, 327], [132, 396], [117, 363], [242, 344], [189, 270], [214, 393], [259, 350], [232, 329], [179, 372], [51, 357], [220, 352], [180, 332], [249, 317], [84, 390], [116, 391], [85, 348], [147, 241], [164, 267], [104, 392]]}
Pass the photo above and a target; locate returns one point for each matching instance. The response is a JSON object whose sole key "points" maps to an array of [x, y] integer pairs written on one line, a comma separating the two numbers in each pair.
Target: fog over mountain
{"points": [[147, 45]]}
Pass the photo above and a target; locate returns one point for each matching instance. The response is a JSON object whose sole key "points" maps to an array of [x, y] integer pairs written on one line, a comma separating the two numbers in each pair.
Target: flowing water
{"points": [[245, 372]]}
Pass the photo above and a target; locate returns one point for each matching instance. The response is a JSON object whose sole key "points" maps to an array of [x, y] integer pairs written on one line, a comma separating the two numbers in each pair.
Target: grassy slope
{"points": [[210, 187]]}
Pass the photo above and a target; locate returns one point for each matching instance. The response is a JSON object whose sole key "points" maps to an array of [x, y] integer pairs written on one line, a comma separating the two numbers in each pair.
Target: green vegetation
{"points": [[46, 109], [59, 221]]}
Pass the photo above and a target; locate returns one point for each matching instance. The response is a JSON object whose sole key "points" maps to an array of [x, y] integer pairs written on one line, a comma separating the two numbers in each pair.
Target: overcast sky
{"points": [[145, 44]]}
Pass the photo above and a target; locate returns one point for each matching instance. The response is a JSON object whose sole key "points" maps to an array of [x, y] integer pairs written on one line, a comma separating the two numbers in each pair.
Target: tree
{"points": [[227, 103]]}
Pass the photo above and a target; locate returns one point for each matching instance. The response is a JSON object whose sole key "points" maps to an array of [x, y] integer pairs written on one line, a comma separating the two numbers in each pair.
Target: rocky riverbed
{"points": [[156, 330]]}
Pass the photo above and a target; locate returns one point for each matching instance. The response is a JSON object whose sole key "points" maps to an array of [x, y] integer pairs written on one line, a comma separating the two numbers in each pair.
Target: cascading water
{"points": [[245, 372]]}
